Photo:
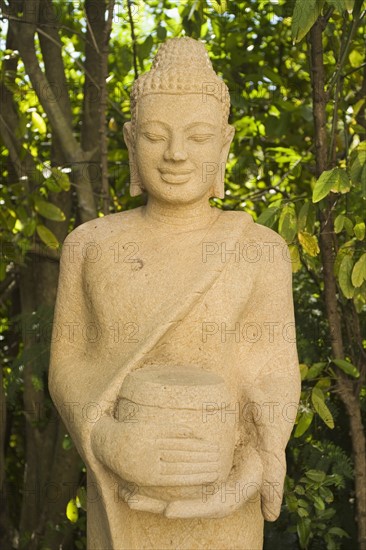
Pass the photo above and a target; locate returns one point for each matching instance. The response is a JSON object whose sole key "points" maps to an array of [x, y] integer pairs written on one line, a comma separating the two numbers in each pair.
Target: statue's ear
{"points": [[135, 182], [219, 186], [127, 134]]}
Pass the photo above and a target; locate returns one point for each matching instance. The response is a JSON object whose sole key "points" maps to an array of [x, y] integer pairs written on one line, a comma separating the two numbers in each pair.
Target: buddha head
{"points": [[179, 137]]}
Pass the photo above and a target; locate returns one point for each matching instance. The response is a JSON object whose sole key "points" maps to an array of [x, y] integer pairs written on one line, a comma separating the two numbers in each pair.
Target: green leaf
{"points": [[358, 164], [356, 58], [302, 512], [268, 217], [318, 400], [29, 227], [37, 382], [339, 5], [322, 186], [309, 243], [49, 210], [359, 231], [81, 495], [303, 424], [47, 236], [304, 16], [304, 369], [219, 7], [347, 367], [339, 223], [291, 502], [318, 503], [72, 512], [287, 225], [335, 180], [359, 272], [61, 178], [304, 531], [295, 258], [38, 122], [316, 475], [344, 276], [315, 370], [306, 218], [339, 532]]}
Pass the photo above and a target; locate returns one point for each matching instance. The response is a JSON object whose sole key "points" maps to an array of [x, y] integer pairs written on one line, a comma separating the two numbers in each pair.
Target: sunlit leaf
{"points": [[287, 225], [359, 271], [47, 236], [306, 218], [304, 423], [304, 16], [309, 243], [61, 178], [347, 367], [268, 217], [339, 5], [49, 210], [303, 370], [359, 230], [81, 495], [315, 370], [318, 400], [72, 512], [335, 180], [295, 258], [38, 122], [358, 164], [344, 276]]}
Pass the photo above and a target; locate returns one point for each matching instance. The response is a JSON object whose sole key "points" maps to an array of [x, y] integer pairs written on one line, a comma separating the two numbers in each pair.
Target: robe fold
{"points": [[134, 294]]}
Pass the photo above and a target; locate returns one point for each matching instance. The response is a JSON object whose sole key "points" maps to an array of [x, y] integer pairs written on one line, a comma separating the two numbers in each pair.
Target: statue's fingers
{"points": [[146, 504], [179, 468], [189, 456], [189, 444], [190, 478], [186, 509]]}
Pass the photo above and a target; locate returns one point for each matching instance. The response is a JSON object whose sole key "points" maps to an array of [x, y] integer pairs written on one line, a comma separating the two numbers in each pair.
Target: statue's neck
{"points": [[199, 214]]}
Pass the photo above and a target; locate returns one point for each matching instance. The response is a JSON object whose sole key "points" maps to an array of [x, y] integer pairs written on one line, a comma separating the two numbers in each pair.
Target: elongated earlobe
{"points": [[136, 187], [218, 189]]}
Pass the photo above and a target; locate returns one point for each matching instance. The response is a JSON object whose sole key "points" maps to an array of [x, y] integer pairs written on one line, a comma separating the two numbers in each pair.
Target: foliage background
{"points": [[297, 164]]}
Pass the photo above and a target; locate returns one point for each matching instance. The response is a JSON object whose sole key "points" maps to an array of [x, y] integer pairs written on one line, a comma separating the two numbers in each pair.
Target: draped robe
{"points": [[133, 294]]}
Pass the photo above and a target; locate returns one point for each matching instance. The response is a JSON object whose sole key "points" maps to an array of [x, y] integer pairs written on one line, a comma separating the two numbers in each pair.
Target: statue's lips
{"points": [[175, 176]]}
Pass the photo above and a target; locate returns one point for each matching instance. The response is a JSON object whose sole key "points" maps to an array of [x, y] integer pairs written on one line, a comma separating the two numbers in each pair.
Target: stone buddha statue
{"points": [[174, 363]]}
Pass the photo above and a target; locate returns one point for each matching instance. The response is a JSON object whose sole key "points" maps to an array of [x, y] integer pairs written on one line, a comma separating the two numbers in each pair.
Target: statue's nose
{"points": [[176, 150]]}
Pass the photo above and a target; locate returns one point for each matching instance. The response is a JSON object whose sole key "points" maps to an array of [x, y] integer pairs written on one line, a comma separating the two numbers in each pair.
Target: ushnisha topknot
{"points": [[181, 66]]}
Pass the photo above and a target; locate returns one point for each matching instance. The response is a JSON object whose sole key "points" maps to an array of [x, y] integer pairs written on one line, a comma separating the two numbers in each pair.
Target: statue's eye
{"points": [[200, 138], [154, 137]]}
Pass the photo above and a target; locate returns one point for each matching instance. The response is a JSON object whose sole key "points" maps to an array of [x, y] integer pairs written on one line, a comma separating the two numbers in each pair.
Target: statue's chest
{"points": [[136, 278], [145, 284]]}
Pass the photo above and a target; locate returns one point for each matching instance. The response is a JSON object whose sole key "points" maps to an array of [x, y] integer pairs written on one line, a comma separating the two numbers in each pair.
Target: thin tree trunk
{"points": [[347, 389]]}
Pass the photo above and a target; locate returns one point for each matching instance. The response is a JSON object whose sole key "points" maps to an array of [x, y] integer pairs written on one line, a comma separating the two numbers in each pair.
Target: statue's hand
{"points": [[159, 455], [274, 471], [222, 499]]}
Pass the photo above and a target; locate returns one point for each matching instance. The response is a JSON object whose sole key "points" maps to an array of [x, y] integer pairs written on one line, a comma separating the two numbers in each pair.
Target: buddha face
{"points": [[180, 149]]}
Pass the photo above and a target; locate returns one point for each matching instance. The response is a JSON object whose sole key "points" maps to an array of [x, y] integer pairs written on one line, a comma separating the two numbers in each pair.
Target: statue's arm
{"points": [[276, 386], [68, 360]]}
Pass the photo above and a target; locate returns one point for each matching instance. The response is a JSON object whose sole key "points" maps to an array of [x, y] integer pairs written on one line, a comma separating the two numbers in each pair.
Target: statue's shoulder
{"points": [[254, 231], [99, 229], [89, 239], [260, 245], [250, 227]]}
